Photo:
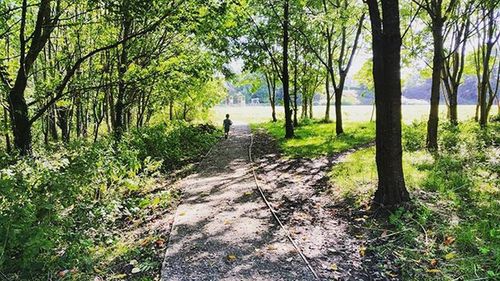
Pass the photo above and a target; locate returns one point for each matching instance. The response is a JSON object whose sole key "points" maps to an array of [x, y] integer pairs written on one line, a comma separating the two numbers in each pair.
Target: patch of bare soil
{"points": [[330, 233]]}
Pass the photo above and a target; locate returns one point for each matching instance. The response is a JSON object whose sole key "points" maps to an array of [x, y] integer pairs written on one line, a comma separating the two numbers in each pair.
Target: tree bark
{"points": [[328, 98], [338, 111], [386, 44], [311, 99], [437, 66], [122, 69], [305, 106], [21, 126], [485, 80], [289, 131], [271, 90]]}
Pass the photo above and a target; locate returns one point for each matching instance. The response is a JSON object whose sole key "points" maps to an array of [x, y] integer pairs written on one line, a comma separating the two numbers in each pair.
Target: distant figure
{"points": [[227, 125]]}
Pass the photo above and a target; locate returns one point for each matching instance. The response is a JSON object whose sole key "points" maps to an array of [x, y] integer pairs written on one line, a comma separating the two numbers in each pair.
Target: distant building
{"points": [[255, 101], [235, 99]]}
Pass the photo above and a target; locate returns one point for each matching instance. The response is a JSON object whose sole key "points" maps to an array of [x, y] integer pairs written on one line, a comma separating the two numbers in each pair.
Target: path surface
{"points": [[223, 230]]}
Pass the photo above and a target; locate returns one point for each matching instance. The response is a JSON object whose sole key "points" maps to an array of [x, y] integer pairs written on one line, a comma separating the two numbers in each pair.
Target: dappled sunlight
{"points": [[223, 228], [313, 138]]}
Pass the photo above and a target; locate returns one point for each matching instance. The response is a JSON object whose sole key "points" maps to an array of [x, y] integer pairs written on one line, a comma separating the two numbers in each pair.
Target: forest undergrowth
{"points": [[95, 210]]}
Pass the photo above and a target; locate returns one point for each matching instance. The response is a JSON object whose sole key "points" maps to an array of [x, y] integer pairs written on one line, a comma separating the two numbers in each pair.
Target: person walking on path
{"points": [[227, 126]]}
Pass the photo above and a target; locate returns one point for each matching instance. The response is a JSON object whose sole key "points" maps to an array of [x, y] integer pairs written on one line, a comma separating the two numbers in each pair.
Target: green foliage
{"points": [[364, 75], [65, 208], [452, 230], [414, 136], [182, 143], [314, 138]]}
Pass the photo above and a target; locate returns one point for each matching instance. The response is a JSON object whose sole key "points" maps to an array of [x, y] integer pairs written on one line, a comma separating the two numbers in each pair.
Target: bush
{"points": [[55, 209], [174, 144], [414, 136]]}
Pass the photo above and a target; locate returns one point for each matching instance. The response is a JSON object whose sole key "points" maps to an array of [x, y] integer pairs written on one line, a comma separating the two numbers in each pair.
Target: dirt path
{"points": [[223, 230], [328, 231]]}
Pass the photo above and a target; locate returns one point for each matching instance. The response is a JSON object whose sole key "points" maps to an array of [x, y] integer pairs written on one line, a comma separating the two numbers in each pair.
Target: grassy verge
{"points": [[314, 138], [452, 231], [94, 211]]}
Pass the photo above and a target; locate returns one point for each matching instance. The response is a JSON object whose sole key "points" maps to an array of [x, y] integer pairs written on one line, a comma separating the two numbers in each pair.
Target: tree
{"points": [[457, 30], [386, 46], [83, 61], [46, 20], [439, 13], [269, 27], [487, 38], [334, 37], [285, 75]]}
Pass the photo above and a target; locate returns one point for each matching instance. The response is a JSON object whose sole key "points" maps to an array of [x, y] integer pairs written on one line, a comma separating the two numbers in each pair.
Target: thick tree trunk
{"points": [[171, 109], [386, 45], [437, 66], [273, 112], [21, 126], [338, 111], [285, 75], [19, 113]]}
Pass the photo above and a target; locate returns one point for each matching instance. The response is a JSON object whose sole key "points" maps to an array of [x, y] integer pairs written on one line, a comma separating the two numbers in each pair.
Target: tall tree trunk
{"points": [[386, 44], [328, 98], [171, 109], [271, 90], [453, 107], [52, 116], [285, 75], [311, 99], [63, 121], [295, 85], [485, 80], [19, 113], [122, 69], [21, 127], [338, 111], [437, 66], [304, 107]]}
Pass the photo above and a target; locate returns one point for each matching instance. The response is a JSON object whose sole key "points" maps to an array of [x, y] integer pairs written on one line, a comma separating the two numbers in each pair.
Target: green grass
{"points": [[455, 197], [456, 203], [314, 138], [452, 230]]}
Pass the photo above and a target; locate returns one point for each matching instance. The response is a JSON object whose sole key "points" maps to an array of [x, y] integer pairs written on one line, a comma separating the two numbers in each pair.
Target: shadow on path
{"points": [[298, 189], [223, 230]]}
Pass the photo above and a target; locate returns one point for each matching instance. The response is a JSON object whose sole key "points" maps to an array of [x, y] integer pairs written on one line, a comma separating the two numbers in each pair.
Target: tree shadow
{"points": [[223, 230], [325, 229]]}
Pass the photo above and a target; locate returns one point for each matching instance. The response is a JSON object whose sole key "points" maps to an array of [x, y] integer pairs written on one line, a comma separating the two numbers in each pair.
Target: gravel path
{"points": [[223, 230]]}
